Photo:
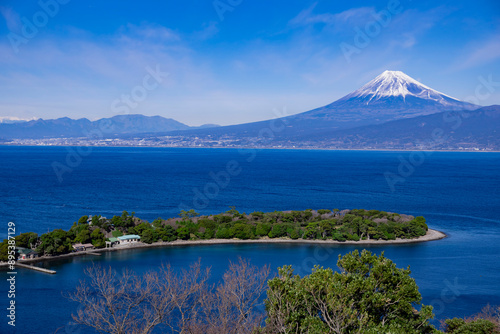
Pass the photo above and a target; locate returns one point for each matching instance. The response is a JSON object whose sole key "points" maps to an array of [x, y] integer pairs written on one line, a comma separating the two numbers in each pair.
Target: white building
{"points": [[128, 239]]}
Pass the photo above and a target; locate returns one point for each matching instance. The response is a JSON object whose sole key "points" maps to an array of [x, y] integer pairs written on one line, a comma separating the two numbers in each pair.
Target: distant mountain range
{"points": [[391, 96], [479, 128], [391, 111], [106, 127]]}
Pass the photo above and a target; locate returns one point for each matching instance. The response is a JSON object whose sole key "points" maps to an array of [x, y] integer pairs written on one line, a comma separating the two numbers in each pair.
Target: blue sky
{"points": [[233, 61]]}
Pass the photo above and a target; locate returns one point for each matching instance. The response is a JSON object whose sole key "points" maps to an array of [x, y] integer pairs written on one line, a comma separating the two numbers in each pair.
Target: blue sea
{"points": [[44, 188]]}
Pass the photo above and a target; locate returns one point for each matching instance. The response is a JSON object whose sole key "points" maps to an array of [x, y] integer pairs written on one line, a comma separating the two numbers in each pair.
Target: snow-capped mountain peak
{"points": [[391, 95], [397, 83]]}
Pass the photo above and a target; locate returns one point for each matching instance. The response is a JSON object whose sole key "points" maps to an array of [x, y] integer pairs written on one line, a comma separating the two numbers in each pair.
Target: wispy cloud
{"points": [[150, 32], [480, 54], [392, 48], [352, 17], [403, 29], [83, 74], [208, 31], [411, 25]]}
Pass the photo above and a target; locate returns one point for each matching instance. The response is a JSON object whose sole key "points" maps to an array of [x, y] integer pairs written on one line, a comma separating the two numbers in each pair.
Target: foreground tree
{"points": [[369, 295], [175, 302], [230, 307], [485, 322]]}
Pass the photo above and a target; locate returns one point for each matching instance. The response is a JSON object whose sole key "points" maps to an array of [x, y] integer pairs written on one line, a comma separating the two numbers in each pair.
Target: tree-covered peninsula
{"points": [[346, 225]]}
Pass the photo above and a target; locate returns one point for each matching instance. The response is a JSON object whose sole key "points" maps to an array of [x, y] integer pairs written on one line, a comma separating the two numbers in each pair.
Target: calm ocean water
{"points": [[458, 193]]}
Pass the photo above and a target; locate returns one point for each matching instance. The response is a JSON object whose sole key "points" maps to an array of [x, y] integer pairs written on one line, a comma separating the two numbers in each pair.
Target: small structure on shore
{"points": [[82, 247], [129, 238], [112, 242], [25, 253]]}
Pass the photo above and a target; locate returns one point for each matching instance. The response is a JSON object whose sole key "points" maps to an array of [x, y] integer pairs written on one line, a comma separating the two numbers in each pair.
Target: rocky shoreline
{"points": [[430, 236]]}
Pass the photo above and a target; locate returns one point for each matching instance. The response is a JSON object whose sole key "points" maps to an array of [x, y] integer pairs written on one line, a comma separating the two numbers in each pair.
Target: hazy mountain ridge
{"points": [[106, 127], [452, 130]]}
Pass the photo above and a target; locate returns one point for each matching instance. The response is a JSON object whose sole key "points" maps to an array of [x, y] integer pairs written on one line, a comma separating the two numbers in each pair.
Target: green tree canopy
{"points": [[97, 238], [83, 220], [83, 236], [149, 236], [188, 214], [478, 326], [55, 242], [183, 233], [369, 295], [167, 233]]}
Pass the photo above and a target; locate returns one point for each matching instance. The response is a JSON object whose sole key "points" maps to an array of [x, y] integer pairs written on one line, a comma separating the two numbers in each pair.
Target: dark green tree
{"points": [[26, 240], [223, 233], [369, 295], [83, 236], [97, 238], [277, 231], [183, 233], [55, 242], [242, 231], [232, 211], [124, 223], [262, 229], [83, 220], [167, 233], [4, 250], [139, 229], [478, 326], [157, 223], [188, 214], [149, 236]]}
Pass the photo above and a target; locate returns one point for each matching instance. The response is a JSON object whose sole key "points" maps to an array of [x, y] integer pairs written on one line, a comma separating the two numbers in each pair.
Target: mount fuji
{"points": [[391, 96]]}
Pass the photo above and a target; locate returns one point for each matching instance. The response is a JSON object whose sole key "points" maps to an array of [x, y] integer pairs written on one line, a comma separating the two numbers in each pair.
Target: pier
{"points": [[43, 270], [92, 253]]}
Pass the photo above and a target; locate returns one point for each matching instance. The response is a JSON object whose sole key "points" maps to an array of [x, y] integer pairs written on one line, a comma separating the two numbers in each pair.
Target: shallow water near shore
{"points": [[458, 193]]}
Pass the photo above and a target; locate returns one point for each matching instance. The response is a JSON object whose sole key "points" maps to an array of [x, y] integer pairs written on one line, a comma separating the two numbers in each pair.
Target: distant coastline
{"points": [[259, 148], [431, 235]]}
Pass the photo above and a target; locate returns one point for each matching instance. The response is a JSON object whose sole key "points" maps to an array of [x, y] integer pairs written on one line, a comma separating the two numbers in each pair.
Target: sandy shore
{"points": [[431, 235]]}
